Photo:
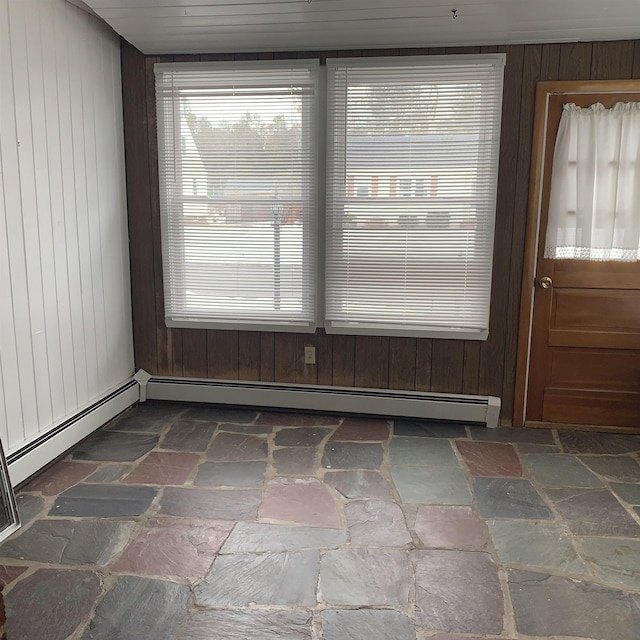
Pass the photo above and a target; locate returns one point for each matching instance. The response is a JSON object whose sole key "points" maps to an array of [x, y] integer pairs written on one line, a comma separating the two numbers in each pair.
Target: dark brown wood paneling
{"points": [[222, 354], [372, 362], [635, 73], [285, 347], [267, 356], [424, 351], [176, 343], [471, 376], [402, 363], [194, 353], [575, 61], [344, 359], [249, 355], [549, 62], [324, 358], [306, 373], [612, 60], [447, 366]]}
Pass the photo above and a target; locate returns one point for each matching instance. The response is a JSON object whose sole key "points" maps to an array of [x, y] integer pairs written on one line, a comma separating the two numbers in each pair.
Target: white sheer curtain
{"points": [[594, 207]]}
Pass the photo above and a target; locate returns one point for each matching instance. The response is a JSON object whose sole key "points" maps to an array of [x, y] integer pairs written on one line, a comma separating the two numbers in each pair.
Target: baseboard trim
{"points": [[38, 453]]}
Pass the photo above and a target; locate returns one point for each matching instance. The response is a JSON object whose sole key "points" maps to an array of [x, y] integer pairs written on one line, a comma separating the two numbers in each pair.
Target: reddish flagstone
{"points": [[297, 420], [490, 458], [60, 477], [163, 468], [8, 573], [173, 547], [362, 429], [305, 503], [449, 527]]}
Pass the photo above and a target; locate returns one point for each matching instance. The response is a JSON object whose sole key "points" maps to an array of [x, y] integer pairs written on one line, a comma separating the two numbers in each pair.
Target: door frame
{"points": [[539, 157]]}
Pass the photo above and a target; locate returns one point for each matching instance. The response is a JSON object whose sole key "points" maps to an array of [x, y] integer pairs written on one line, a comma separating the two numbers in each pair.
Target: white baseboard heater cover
{"points": [[385, 402]]}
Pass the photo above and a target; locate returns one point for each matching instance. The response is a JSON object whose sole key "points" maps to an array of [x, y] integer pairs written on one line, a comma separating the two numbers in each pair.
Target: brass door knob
{"points": [[546, 282]]}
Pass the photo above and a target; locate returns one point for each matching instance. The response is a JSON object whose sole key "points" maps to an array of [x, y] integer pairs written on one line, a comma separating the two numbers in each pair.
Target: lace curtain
{"points": [[594, 207]]}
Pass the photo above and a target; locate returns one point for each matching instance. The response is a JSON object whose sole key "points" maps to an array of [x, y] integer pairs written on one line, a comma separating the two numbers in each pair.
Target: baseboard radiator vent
{"points": [[46, 447], [384, 402]]}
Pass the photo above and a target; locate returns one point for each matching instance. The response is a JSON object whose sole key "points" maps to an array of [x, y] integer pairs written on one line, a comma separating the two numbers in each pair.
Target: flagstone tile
{"points": [[29, 507], [421, 452], [450, 527], [599, 443], [137, 607], [253, 537], [163, 468], [109, 473], [9, 573], [509, 498], [275, 419], [593, 512], [362, 429], [365, 577], [295, 461], [308, 503], [366, 624], [60, 476], [251, 429], [569, 607], [219, 413], [300, 437], [429, 429], [614, 560], [359, 483], [286, 578], [490, 458], [180, 547], [519, 435], [376, 523], [616, 468], [352, 455], [103, 501], [237, 447], [436, 484], [146, 417], [211, 504], [553, 470], [231, 474], [188, 435], [628, 492], [525, 447], [50, 604], [115, 446], [458, 591]]}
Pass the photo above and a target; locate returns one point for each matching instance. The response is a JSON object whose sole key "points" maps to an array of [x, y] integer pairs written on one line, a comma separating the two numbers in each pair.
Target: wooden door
{"points": [[583, 356]]}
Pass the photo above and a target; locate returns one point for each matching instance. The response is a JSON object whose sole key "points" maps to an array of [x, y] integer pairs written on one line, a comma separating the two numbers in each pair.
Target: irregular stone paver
{"points": [[458, 591], [61, 476], [592, 442], [241, 625], [376, 523], [103, 501], [50, 604], [295, 460], [617, 468], [253, 537], [437, 484], [148, 417], [362, 429], [29, 506], [628, 492], [616, 561], [359, 484], [163, 467], [571, 608], [593, 512], [9, 573], [217, 413], [452, 636], [253, 429], [211, 504], [513, 434], [138, 607], [173, 547], [237, 447], [536, 544], [109, 473], [366, 624], [361, 577], [450, 527], [231, 474], [275, 419], [115, 446], [302, 502], [70, 541], [490, 458], [421, 452], [352, 455], [287, 578], [559, 471], [537, 448], [300, 437], [509, 498], [429, 429], [188, 435]]}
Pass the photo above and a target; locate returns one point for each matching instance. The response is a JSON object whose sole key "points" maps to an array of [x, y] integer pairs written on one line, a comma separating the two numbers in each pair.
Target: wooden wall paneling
{"points": [[306, 373], [267, 356], [249, 355], [447, 366], [176, 358], [324, 357], [635, 72], [575, 61], [344, 359], [471, 375], [424, 351], [402, 363], [549, 62], [612, 60], [222, 354], [372, 362], [530, 74], [286, 357], [493, 349], [194, 353], [143, 280]]}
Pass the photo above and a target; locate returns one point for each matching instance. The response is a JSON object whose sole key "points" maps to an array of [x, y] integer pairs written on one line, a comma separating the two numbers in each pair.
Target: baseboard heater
{"points": [[385, 402], [46, 447]]}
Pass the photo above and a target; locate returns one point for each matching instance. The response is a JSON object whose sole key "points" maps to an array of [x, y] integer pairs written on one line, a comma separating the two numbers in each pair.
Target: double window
{"points": [[363, 201]]}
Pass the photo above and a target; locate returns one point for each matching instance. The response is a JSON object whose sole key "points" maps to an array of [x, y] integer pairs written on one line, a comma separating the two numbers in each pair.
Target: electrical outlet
{"points": [[309, 355]]}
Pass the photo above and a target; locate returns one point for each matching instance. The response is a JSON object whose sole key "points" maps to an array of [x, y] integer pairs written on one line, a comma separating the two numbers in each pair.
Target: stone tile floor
{"points": [[184, 522]]}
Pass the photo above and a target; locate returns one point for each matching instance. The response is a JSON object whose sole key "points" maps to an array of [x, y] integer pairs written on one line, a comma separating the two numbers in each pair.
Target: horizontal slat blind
{"points": [[238, 197], [412, 165]]}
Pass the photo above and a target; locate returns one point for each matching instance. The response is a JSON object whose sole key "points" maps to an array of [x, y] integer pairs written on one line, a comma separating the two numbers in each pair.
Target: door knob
{"points": [[546, 282]]}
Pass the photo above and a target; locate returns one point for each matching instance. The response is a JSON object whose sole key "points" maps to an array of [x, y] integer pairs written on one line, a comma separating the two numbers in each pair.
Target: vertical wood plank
{"points": [[285, 357], [306, 373], [424, 353], [249, 355], [267, 356], [575, 61], [471, 375], [550, 62], [402, 363], [324, 357], [344, 358], [612, 60], [447, 368], [222, 354], [194, 353], [372, 362], [176, 358], [635, 73]]}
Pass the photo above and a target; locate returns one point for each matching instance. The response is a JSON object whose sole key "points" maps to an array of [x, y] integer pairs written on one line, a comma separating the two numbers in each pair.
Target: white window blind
{"points": [[412, 163], [237, 166]]}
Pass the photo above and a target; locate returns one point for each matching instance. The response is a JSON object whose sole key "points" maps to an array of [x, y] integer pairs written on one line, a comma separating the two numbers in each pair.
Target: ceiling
{"points": [[217, 26]]}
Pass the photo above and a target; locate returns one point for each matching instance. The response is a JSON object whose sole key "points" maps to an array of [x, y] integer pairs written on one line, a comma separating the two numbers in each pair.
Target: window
{"points": [[411, 168]]}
